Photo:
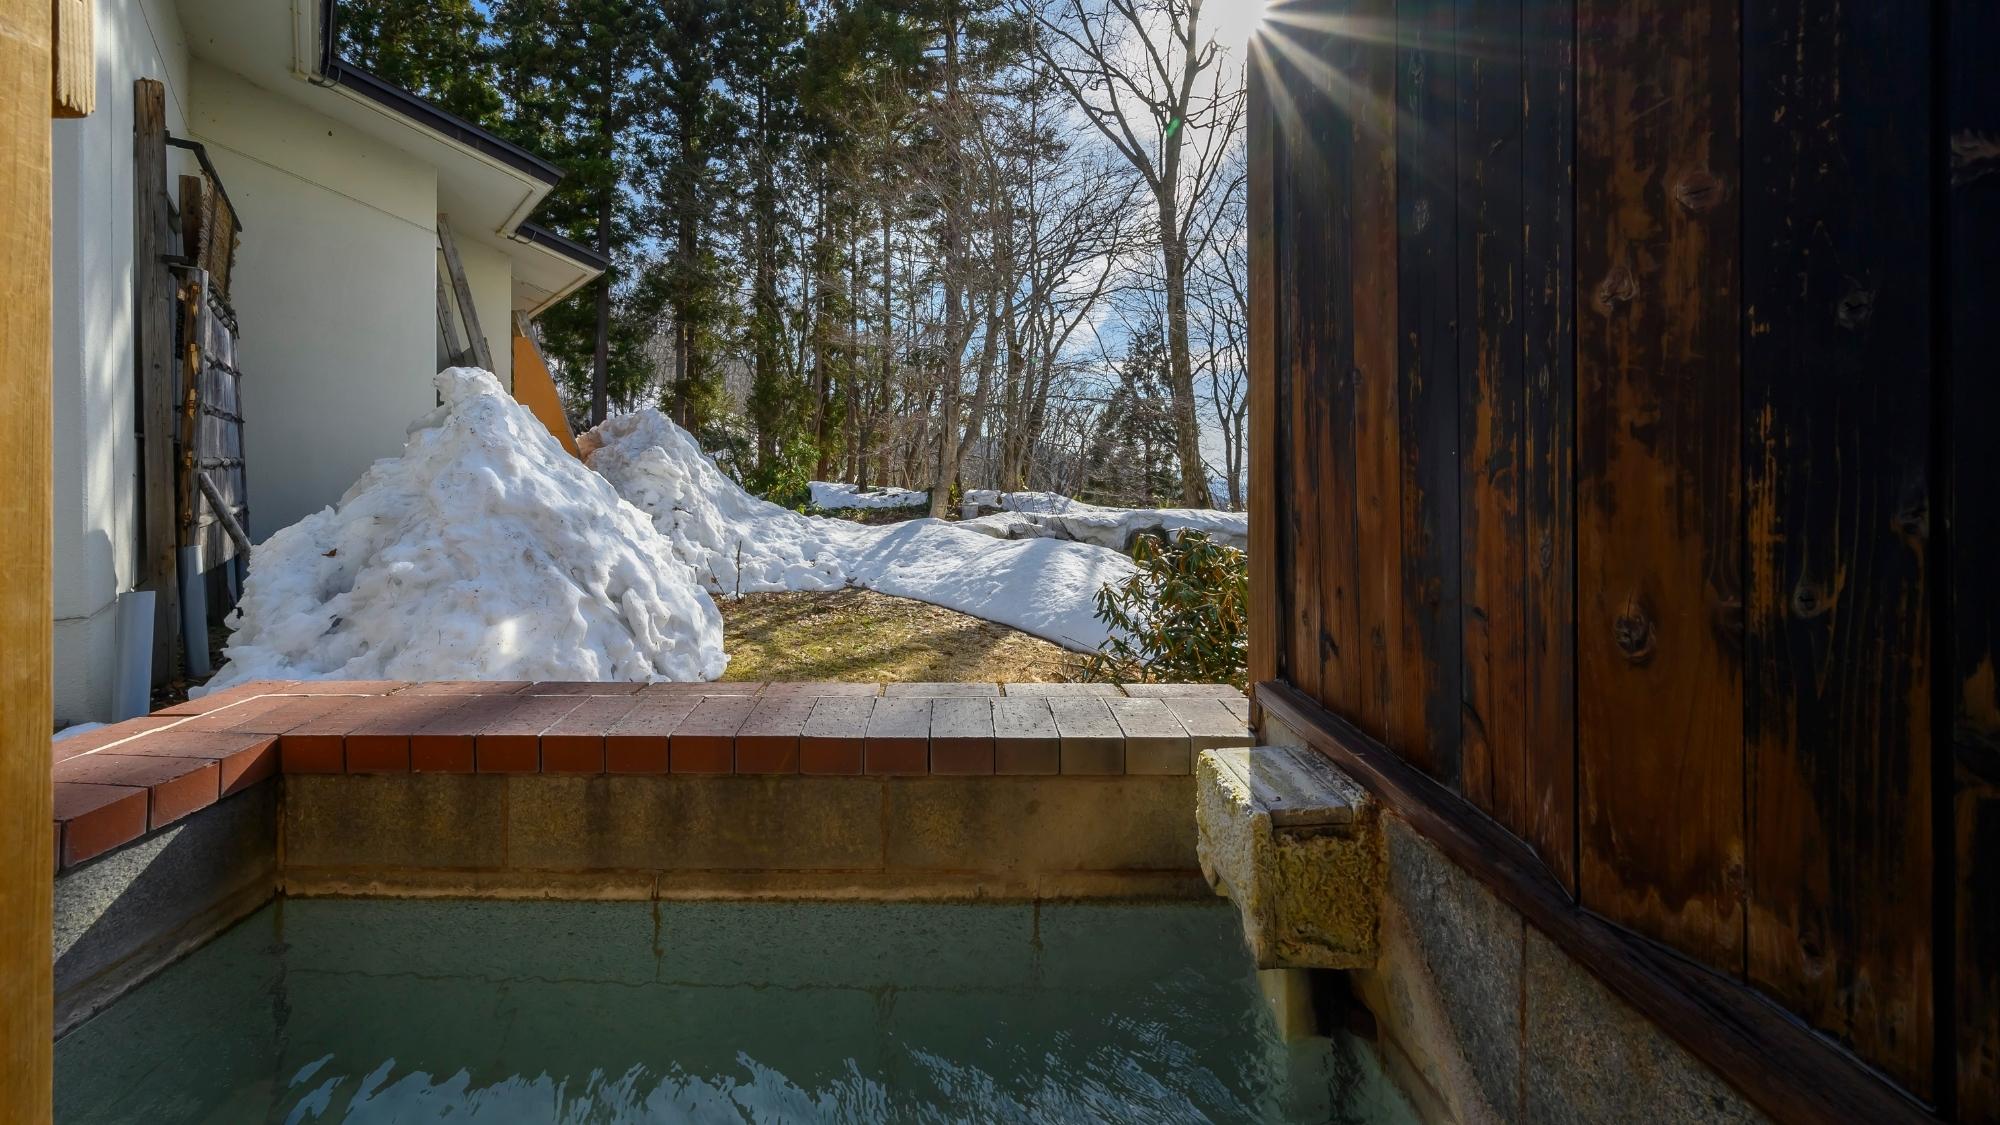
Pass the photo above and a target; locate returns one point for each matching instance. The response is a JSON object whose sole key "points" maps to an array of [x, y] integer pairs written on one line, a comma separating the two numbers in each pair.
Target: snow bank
{"points": [[483, 552], [1029, 514], [739, 544], [832, 496], [736, 543]]}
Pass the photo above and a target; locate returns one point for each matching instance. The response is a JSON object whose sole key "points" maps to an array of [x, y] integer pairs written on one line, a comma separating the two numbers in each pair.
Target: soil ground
{"points": [[850, 634], [856, 634]]}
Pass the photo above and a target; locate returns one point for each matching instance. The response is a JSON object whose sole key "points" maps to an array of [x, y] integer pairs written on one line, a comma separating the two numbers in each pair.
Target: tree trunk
{"points": [[989, 354], [600, 349], [952, 356], [1180, 369]]}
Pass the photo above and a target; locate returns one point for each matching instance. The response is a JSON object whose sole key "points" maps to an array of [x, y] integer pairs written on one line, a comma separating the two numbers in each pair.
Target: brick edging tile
{"points": [[120, 782]]}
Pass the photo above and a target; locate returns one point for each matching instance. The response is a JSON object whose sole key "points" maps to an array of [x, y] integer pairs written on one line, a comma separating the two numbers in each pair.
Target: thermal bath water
{"points": [[411, 1011]]}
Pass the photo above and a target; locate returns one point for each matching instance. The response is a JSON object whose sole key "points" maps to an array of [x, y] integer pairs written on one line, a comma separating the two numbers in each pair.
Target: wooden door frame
{"points": [[27, 847]]}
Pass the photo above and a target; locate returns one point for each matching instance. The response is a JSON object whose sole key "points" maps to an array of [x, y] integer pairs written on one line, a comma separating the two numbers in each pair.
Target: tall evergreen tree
{"points": [[697, 134], [581, 89], [434, 48], [762, 43]]}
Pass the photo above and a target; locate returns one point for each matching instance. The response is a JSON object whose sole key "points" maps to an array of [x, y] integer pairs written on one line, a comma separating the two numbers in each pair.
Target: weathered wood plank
{"points": [[1328, 106], [1548, 333], [1303, 197], [1493, 688], [1969, 690], [1387, 620], [1659, 715], [1267, 610], [154, 309], [1838, 399], [1428, 390], [27, 842]]}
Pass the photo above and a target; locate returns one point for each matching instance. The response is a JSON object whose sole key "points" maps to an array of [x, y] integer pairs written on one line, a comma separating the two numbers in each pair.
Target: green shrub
{"points": [[1183, 618], [785, 480]]}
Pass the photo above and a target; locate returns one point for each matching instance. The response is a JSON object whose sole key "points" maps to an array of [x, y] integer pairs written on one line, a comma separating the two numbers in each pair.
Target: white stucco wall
{"points": [[91, 280], [491, 276], [334, 287]]}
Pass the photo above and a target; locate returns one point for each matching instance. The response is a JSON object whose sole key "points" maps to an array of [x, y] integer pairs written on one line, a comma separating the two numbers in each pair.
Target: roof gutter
{"points": [[332, 71], [328, 69]]}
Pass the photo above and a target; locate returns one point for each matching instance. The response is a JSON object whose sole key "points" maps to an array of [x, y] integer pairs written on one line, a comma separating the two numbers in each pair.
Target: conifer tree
{"points": [[696, 138], [436, 49], [581, 90]]}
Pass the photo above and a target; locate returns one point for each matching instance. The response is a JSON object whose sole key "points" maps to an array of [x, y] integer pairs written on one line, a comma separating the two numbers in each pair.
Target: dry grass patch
{"points": [[856, 634]]}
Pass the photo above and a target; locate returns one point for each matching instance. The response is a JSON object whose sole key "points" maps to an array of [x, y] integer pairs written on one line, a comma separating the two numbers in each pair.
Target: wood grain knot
{"points": [[1855, 306], [1914, 519], [1726, 618], [1618, 287], [1698, 191], [1808, 601], [1633, 631]]}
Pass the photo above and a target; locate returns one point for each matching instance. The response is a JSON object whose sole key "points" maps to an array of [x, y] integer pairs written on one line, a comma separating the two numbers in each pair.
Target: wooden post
{"points": [[153, 307], [27, 858], [74, 83]]}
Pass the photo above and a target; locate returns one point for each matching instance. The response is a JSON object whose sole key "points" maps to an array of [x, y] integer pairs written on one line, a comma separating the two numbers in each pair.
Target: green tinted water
{"points": [[366, 1010]]}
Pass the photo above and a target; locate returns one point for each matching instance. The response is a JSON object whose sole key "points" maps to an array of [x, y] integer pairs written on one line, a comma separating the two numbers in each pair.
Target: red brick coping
{"points": [[117, 783]]}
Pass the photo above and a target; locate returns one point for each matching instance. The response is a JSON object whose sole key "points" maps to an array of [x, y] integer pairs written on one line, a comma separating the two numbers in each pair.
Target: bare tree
{"points": [[1135, 69]]}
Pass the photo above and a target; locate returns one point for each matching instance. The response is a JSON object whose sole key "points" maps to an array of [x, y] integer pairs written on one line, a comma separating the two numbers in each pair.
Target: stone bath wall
{"points": [[1480, 1018], [171, 827]]}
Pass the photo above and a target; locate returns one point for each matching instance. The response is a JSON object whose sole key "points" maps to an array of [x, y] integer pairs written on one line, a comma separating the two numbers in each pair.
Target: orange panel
{"points": [[536, 390]]}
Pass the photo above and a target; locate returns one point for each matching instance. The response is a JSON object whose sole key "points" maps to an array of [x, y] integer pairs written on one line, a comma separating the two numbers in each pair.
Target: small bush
{"points": [[1183, 618], [785, 480]]}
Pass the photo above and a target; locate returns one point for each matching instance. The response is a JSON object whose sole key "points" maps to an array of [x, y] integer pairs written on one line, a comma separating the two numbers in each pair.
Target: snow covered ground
{"points": [[1030, 514], [738, 544], [483, 552], [832, 496]]}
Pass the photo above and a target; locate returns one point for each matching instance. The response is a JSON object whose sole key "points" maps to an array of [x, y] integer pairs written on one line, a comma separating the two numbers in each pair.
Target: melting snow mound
{"points": [[738, 544], [1026, 515], [483, 552], [833, 496]]}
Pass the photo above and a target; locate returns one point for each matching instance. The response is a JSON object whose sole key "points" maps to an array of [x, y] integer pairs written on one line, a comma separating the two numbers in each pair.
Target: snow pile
{"points": [[830, 496], [1022, 515], [737, 543], [483, 552]]}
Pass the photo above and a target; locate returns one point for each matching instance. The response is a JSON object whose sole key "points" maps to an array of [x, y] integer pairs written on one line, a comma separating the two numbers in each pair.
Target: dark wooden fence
{"points": [[1626, 380]]}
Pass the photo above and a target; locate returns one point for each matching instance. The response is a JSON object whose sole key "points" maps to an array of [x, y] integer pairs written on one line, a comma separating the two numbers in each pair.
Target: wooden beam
{"points": [[482, 352], [74, 82], [448, 325], [154, 310], [27, 843], [1782, 1067]]}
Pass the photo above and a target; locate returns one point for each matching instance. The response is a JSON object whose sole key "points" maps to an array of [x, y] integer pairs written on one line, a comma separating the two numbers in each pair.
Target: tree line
{"points": [[929, 243]]}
